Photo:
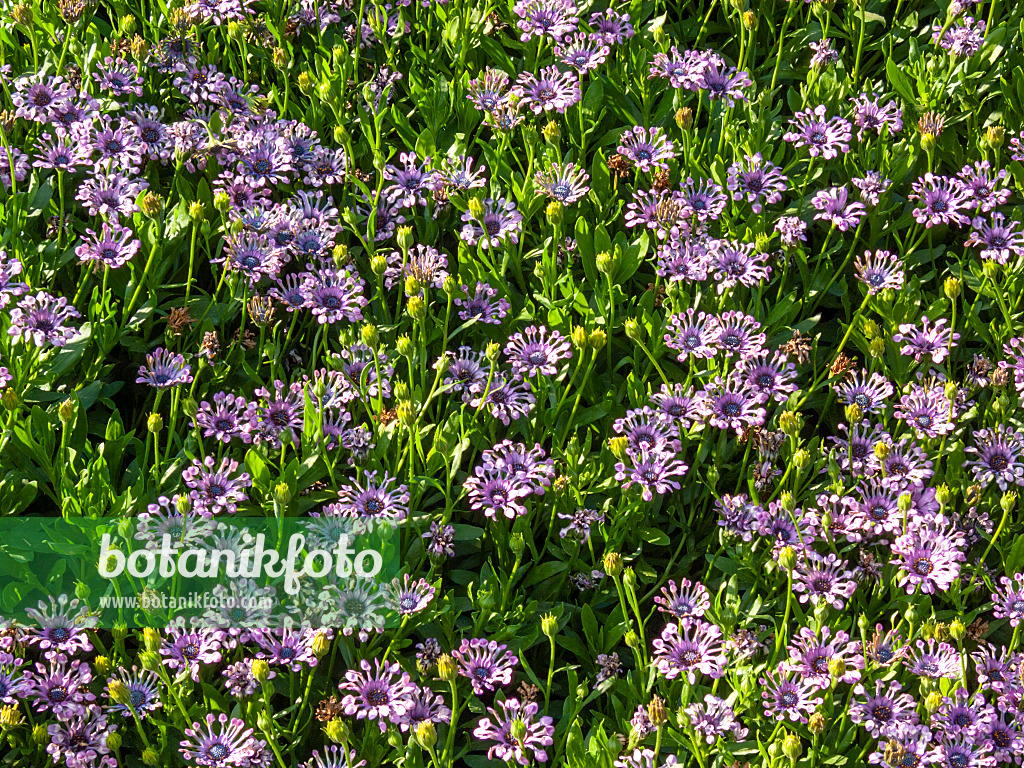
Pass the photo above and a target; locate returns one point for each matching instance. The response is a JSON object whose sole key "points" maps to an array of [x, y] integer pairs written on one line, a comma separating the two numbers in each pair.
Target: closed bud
{"points": [[792, 747], [150, 756], [222, 202], [114, 741], [102, 665], [658, 33], [787, 559], [613, 564], [517, 730], [155, 423], [450, 286], [904, 502], [928, 142], [379, 264], [196, 212], [492, 351], [417, 307], [882, 450], [404, 346], [1008, 502], [551, 132], [910, 614], [632, 640], [837, 667], [791, 422], [877, 347], [406, 413], [190, 407], [140, 48], [633, 329], [340, 255], [943, 495], [787, 501], [260, 670], [281, 58], [446, 667], [629, 577], [321, 644], [404, 237], [994, 136], [853, 413], [119, 692], [952, 288], [605, 262], [11, 399], [774, 749], [10, 717], [151, 639], [401, 390], [22, 14], [264, 721], [306, 84], [871, 329], [517, 543], [337, 730], [151, 204], [426, 734], [66, 410], [816, 724], [761, 242], [684, 118], [476, 209], [618, 445], [579, 337], [235, 31], [656, 711], [951, 390], [549, 625], [750, 20], [802, 459], [370, 337], [150, 661], [554, 213], [40, 735], [413, 287], [597, 339], [957, 630]]}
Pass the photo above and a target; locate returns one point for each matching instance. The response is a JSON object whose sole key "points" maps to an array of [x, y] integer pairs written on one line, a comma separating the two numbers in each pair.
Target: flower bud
{"points": [[337, 730], [605, 263], [928, 142], [260, 670], [119, 692], [370, 337], [549, 625], [684, 118], [554, 213], [802, 459], [426, 734], [597, 340], [952, 288], [150, 661], [632, 640], [517, 543], [66, 410], [990, 269], [656, 711], [933, 701], [446, 667], [579, 337], [613, 564], [102, 665], [517, 730], [882, 450], [151, 204], [404, 346], [750, 20], [951, 389], [222, 202], [22, 14], [904, 502], [791, 422], [321, 644], [957, 630], [629, 577], [1008, 502], [450, 286], [150, 756], [618, 445], [774, 749], [787, 501], [306, 84], [264, 721], [379, 264], [910, 614], [11, 399], [492, 351], [943, 495], [404, 237], [551, 132], [417, 307], [114, 741], [633, 329], [792, 747], [994, 136], [877, 347], [10, 717], [40, 735], [787, 559], [658, 33], [837, 668], [406, 412], [155, 423], [853, 413], [281, 58], [816, 724], [476, 209], [413, 287]]}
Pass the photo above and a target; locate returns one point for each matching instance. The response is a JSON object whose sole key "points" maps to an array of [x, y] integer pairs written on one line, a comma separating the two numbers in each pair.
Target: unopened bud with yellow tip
{"points": [[656, 711], [684, 118], [791, 422], [417, 307], [633, 329], [882, 450], [816, 724], [932, 701], [66, 410], [551, 132], [155, 423], [337, 730], [605, 263], [119, 692], [617, 445], [379, 264], [40, 735], [613, 564], [10, 717], [260, 670], [792, 747], [151, 204], [369, 336], [446, 667], [787, 559], [476, 209], [957, 629], [150, 756], [994, 136], [597, 339], [549, 625], [579, 337], [554, 213], [426, 734]]}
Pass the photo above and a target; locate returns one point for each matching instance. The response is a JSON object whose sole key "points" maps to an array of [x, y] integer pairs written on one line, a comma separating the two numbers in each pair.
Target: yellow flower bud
{"points": [[995, 135], [617, 445], [476, 209], [404, 346], [10, 717], [66, 410], [605, 262], [548, 625], [656, 711], [787, 558], [155, 423], [370, 337], [816, 724], [426, 734], [150, 756], [551, 132], [613, 564], [597, 340], [446, 667], [417, 307], [260, 670], [633, 329]]}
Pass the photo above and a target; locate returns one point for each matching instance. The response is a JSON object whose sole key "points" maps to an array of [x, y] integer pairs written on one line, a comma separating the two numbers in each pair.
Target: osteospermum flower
{"points": [[143, 689], [647, 431], [215, 487], [537, 732], [770, 374], [566, 184], [834, 206], [688, 648], [677, 403], [648, 148], [823, 579], [810, 655], [61, 627], [219, 741], [932, 340], [787, 696], [654, 473], [62, 688], [963, 39], [427, 264], [739, 334], [582, 53], [714, 718], [485, 663], [494, 222], [409, 596], [999, 240], [40, 318], [379, 692], [883, 713], [1008, 598], [934, 659], [943, 200], [928, 559], [372, 498], [611, 27], [872, 186], [537, 18], [879, 270], [551, 90], [823, 136], [229, 416], [704, 198], [113, 247], [869, 114], [497, 493], [999, 456], [693, 334], [733, 404], [792, 231], [81, 740], [754, 179], [927, 411], [687, 601], [164, 369], [964, 714], [868, 392], [537, 351], [482, 305]]}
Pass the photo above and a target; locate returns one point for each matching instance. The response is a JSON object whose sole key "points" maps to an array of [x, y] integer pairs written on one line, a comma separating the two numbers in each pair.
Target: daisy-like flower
{"points": [[868, 392], [229, 416], [999, 456], [687, 601], [110, 194], [498, 726], [733, 404], [878, 505], [824, 54], [983, 189], [788, 696], [999, 240], [927, 411], [13, 685], [566, 184], [769, 373], [254, 255], [482, 305], [869, 114], [927, 340], [143, 692], [40, 318], [580, 523], [537, 351], [425, 706], [693, 334], [497, 493], [928, 558], [527, 465], [485, 663], [468, 372], [907, 464], [508, 399], [654, 473], [611, 27], [704, 199], [883, 713], [386, 498], [62, 688], [823, 136], [726, 83], [335, 295], [647, 148], [678, 404], [823, 578], [458, 173], [537, 18], [755, 179], [409, 596], [1008, 598], [647, 431], [291, 648], [964, 714], [879, 270], [582, 53], [496, 221], [113, 247], [334, 757], [811, 654], [219, 741], [872, 186], [379, 692], [428, 265], [164, 369], [943, 200], [834, 206], [783, 528], [411, 183], [739, 334], [440, 540], [963, 39], [62, 627], [551, 90], [714, 718], [738, 263], [81, 740], [488, 91], [934, 659], [215, 488], [792, 231], [61, 152], [265, 162]]}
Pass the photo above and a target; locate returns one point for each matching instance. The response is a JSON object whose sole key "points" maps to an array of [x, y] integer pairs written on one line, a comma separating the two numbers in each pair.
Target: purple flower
{"points": [[929, 339], [508, 399], [868, 392], [738, 264], [466, 373], [336, 295], [824, 54], [411, 183], [164, 369], [143, 691], [705, 199], [648, 148], [334, 757], [497, 222], [425, 706], [497, 493], [536, 351], [580, 523], [41, 319], [652, 472], [485, 663], [792, 231], [278, 412], [387, 499], [963, 39], [879, 270], [60, 152], [772, 375], [982, 188], [215, 488], [254, 255], [62, 688], [488, 91], [81, 740], [733, 404], [822, 136], [648, 432], [934, 659], [582, 53], [538, 732], [220, 742], [551, 90], [409, 596], [441, 539], [810, 656], [229, 416], [380, 692], [264, 161], [1008, 598], [687, 601], [62, 628], [678, 404], [611, 27], [554, 18], [834, 206], [787, 698], [693, 334], [39, 99], [823, 579], [999, 456], [907, 464], [13, 686], [113, 247], [739, 334], [714, 718], [870, 115], [482, 305], [566, 184], [999, 240], [929, 559], [883, 713], [110, 194], [725, 83], [755, 178], [964, 714], [878, 505], [291, 648], [942, 199], [872, 186], [927, 411], [428, 265]]}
